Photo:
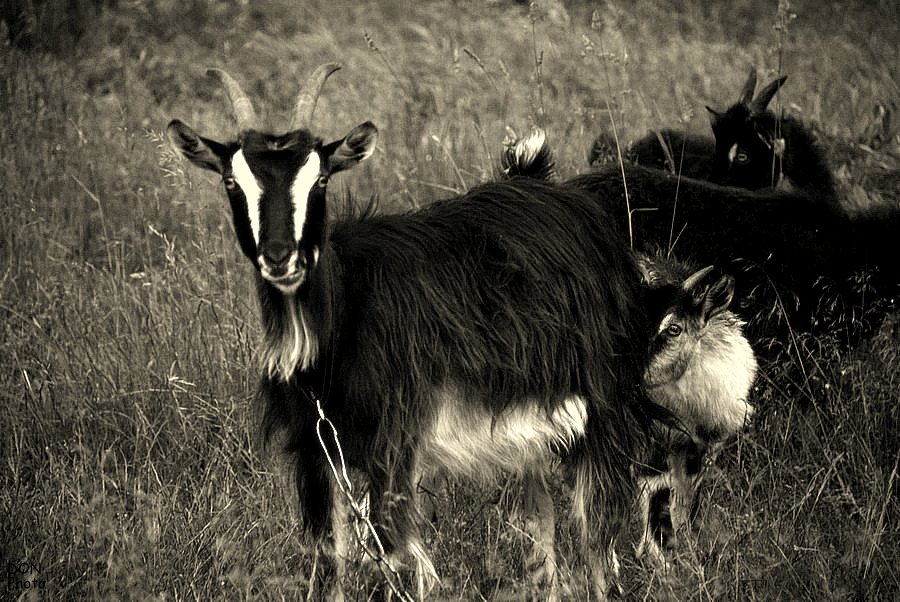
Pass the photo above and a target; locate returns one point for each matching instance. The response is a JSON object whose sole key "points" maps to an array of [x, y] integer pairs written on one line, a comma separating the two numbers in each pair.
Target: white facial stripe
{"points": [[732, 152], [252, 191], [303, 183], [668, 319]]}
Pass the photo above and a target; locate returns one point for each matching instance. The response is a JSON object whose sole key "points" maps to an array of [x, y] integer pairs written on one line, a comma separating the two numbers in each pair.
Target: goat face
{"points": [[746, 149], [747, 145], [701, 366], [276, 186]]}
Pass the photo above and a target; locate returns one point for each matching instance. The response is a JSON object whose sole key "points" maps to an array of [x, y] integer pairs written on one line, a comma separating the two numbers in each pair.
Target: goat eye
{"points": [[742, 158], [673, 330], [322, 182], [229, 182]]}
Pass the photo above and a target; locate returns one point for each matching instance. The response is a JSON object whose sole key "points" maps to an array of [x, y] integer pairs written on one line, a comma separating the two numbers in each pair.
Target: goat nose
{"points": [[277, 254]]}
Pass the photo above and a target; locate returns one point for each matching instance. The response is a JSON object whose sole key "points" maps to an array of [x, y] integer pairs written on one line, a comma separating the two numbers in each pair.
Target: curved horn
{"points": [[243, 110], [695, 278], [309, 94], [762, 101], [749, 88]]}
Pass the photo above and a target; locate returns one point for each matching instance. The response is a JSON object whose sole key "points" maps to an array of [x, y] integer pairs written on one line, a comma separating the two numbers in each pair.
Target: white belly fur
{"points": [[467, 439]]}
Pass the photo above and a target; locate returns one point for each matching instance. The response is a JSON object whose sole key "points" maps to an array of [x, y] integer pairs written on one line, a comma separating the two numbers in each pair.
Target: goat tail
{"points": [[527, 157]]}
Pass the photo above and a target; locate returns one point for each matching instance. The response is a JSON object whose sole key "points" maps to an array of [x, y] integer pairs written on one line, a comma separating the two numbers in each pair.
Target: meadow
{"points": [[129, 457]]}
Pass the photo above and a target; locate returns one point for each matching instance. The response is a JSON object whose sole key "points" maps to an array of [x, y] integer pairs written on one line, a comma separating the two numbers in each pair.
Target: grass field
{"points": [[130, 462]]}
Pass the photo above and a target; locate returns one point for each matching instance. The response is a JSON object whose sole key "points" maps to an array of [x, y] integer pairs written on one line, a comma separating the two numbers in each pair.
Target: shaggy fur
{"points": [[529, 157], [510, 297], [514, 311], [701, 368], [793, 252]]}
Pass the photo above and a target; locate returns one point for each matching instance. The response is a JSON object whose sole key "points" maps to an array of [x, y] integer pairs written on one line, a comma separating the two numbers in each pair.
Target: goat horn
{"points": [[695, 278], [243, 110], [749, 88], [309, 94], [762, 101]]}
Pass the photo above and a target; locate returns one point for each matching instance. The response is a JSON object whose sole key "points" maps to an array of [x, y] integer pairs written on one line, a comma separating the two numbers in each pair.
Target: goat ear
{"points": [[356, 146], [709, 291], [717, 297], [749, 88], [762, 101], [200, 151]]}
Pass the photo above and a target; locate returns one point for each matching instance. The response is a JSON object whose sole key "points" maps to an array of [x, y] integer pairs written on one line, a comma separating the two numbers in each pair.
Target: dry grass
{"points": [[129, 460]]}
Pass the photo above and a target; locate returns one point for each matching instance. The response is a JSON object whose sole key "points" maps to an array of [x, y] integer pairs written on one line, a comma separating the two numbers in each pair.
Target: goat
{"points": [[753, 149], [501, 330], [692, 155], [677, 152], [711, 223], [807, 262], [701, 367], [792, 250]]}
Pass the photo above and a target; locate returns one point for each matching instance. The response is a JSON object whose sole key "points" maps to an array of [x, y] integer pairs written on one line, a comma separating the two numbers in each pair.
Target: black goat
{"points": [[500, 330], [753, 149], [794, 252], [800, 258]]}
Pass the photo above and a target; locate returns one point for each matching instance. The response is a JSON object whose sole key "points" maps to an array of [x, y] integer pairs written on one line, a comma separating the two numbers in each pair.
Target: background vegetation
{"points": [[128, 456]]}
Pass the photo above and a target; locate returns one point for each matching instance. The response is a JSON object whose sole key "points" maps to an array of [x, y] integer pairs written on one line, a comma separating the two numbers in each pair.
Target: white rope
{"points": [[342, 480]]}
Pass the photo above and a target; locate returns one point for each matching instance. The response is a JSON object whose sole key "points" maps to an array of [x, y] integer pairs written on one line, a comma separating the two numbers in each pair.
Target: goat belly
{"points": [[467, 438]]}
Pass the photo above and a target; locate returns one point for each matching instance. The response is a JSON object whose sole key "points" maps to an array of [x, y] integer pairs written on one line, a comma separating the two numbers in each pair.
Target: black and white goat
{"points": [[753, 148], [701, 368], [497, 331]]}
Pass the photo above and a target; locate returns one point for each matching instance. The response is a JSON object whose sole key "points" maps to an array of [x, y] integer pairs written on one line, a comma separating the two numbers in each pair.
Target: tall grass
{"points": [[130, 466]]}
